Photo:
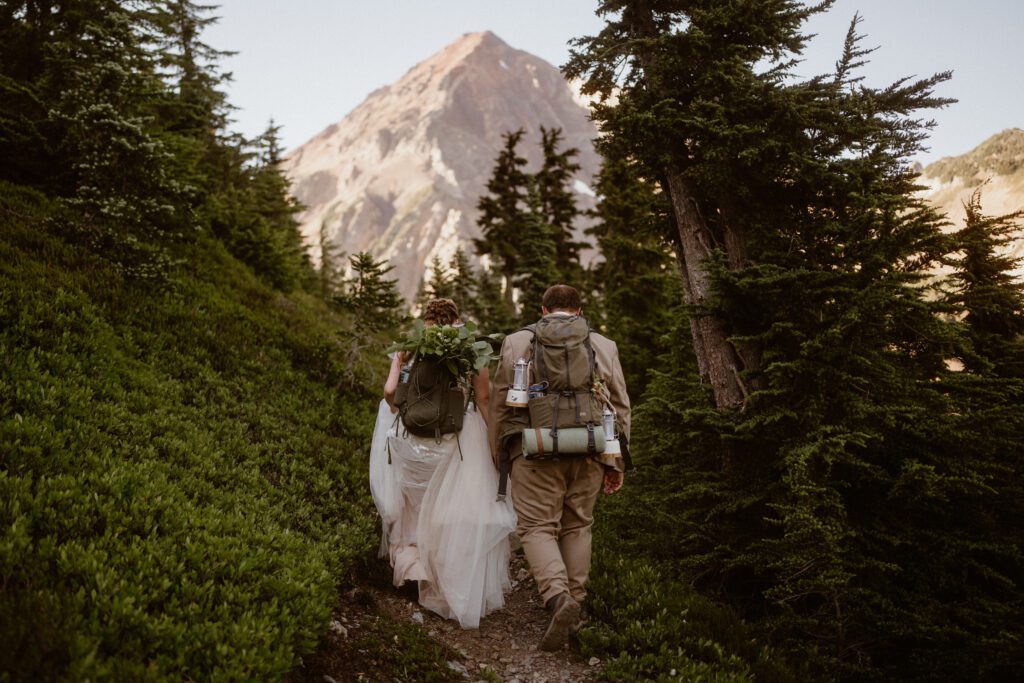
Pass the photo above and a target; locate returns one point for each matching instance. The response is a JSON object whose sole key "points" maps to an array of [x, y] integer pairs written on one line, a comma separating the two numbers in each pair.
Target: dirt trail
{"points": [[504, 648], [506, 642]]}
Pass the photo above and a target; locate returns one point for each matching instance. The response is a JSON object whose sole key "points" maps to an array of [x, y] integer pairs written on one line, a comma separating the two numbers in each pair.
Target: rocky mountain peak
{"points": [[401, 174]]}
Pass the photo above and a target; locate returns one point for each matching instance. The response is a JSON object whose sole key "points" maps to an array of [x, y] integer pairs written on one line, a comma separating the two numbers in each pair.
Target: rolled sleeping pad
{"points": [[571, 441]]}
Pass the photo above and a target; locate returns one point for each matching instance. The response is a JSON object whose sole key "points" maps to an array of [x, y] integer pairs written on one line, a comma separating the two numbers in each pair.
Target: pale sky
{"points": [[307, 63]]}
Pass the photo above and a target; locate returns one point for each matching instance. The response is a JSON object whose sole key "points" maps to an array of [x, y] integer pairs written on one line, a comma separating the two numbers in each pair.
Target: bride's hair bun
{"points": [[441, 312]]}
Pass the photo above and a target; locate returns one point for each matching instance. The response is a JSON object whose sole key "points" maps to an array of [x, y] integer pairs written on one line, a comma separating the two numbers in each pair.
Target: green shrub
{"points": [[182, 470], [652, 627]]}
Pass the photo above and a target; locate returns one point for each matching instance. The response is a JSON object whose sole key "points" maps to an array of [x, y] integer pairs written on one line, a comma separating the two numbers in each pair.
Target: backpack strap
{"points": [[504, 467], [591, 356], [554, 426], [627, 459], [387, 440], [538, 360]]}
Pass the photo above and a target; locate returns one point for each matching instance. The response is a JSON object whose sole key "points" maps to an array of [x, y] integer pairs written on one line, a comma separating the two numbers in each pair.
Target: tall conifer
{"points": [[502, 212], [464, 284], [538, 258], [439, 284], [986, 288], [371, 295], [556, 202]]}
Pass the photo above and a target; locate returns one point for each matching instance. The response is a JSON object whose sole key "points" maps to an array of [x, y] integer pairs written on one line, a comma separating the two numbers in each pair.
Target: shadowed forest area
{"points": [[827, 379]]}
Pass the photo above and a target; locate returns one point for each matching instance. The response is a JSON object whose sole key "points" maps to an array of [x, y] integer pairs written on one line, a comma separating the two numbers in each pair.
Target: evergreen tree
{"points": [[805, 258], [30, 84], [75, 76], [439, 286], [76, 83], [254, 213], [117, 108], [986, 289], [464, 285], [502, 212], [192, 109], [556, 202], [197, 106], [490, 309], [329, 277], [372, 298], [538, 259], [271, 193]]}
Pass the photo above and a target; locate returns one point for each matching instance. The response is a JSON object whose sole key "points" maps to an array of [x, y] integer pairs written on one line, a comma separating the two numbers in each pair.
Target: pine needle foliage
{"points": [[528, 221], [984, 286], [502, 218], [118, 109], [635, 288], [556, 202], [841, 488]]}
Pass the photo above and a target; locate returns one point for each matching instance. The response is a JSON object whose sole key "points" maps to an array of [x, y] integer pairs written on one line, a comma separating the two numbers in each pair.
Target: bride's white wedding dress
{"points": [[441, 523]]}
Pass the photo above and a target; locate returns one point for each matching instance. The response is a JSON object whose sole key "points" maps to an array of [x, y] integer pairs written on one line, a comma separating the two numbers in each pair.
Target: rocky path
{"points": [[506, 643], [504, 648]]}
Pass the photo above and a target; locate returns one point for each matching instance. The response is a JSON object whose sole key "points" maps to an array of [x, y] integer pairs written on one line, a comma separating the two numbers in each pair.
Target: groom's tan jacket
{"points": [[516, 346]]}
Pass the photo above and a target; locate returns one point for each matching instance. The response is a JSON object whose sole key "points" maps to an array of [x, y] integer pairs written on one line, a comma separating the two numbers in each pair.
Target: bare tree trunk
{"points": [[508, 292], [695, 333], [698, 339], [715, 354]]}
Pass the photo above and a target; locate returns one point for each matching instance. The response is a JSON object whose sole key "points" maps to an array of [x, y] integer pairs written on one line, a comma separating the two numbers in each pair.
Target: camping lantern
{"points": [[611, 437], [517, 396]]}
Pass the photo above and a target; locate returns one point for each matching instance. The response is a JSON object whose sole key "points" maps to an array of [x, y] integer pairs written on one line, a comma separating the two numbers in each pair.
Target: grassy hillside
{"points": [[182, 464]]}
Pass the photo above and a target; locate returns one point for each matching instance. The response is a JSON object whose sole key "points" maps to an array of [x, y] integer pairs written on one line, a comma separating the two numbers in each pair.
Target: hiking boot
{"points": [[563, 621]]}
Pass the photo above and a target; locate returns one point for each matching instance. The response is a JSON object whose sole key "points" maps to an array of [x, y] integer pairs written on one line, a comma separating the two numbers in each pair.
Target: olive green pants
{"points": [[554, 500]]}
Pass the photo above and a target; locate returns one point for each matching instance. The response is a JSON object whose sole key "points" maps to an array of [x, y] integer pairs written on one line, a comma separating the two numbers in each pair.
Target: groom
{"points": [[554, 498]]}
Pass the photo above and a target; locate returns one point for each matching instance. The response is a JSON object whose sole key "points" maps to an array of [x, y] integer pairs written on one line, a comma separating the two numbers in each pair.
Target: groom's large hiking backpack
{"points": [[431, 402], [565, 412], [563, 416]]}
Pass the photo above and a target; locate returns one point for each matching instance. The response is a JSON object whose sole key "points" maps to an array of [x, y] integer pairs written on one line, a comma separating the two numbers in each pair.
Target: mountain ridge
{"points": [[995, 166], [401, 173]]}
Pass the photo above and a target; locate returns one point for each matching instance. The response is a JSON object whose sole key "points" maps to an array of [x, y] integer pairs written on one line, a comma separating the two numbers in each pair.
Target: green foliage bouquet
{"points": [[459, 347]]}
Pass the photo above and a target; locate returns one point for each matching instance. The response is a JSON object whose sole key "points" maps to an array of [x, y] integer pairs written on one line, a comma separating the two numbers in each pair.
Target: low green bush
{"points": [[650, 626], [182, 466]]}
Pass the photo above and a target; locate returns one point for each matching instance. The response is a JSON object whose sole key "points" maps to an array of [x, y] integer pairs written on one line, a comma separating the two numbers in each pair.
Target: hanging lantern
{"points": [[517, 395]]}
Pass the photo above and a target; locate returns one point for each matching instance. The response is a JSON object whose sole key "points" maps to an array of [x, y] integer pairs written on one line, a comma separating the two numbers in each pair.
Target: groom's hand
{"points": [[612, 481]]}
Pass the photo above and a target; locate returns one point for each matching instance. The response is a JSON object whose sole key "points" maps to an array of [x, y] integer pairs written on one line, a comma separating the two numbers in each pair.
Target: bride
{"points": [[441, 524]]}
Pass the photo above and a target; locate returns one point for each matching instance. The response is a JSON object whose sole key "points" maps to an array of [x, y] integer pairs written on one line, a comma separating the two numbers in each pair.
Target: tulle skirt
{"points": [[441, 524]]}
